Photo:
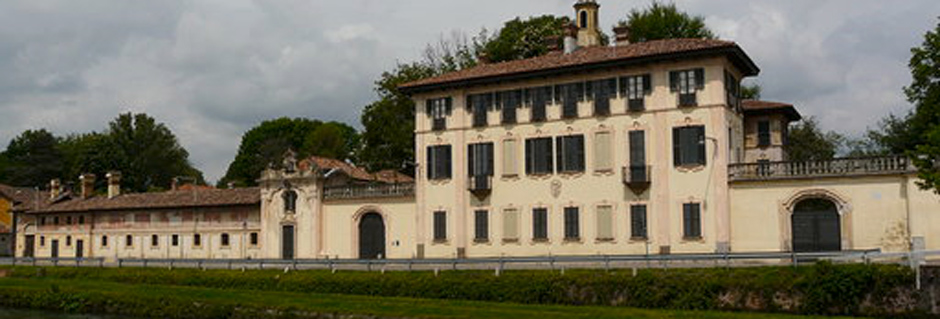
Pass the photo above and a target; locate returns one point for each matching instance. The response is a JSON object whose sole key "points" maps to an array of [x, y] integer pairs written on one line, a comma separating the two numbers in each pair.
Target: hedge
{"points": [[824, 289]]}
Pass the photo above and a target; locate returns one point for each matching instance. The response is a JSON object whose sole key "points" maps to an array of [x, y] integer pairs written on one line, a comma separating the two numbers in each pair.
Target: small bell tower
{"points": [[586, 18]]}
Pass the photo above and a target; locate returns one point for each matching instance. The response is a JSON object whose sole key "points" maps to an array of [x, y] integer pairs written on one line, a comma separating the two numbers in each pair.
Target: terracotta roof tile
{"points": [[355, 172], [584, 57], [755, 106], [171, 199]]}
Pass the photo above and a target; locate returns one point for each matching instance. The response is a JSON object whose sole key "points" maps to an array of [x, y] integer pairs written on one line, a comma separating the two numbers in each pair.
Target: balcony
{"points": [[636, 105], [439, 124], [480, 185], [637, 177], [369, 191], [844, 167], [687, 99]]}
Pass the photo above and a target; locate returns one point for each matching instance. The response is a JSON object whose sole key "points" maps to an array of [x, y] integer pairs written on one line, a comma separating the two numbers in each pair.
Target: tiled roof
{"points": [[19, 195], [590, 56], [354, 172], [171, 199], [755, 106]]}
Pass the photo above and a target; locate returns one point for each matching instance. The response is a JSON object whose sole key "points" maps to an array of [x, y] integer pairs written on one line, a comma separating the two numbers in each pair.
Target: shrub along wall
{"points": [[869, 290]]}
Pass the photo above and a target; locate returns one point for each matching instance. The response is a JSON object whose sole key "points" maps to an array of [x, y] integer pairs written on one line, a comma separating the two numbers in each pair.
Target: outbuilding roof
{"points": [[759, 107], [172, 199], [587, 58]]}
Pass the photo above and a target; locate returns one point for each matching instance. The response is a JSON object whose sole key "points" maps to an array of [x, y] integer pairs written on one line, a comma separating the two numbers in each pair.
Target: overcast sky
{"points": [[211, 69]]}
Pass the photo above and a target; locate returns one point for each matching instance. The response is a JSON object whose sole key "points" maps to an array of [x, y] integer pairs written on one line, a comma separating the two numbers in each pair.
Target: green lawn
{"points": [[118, 296]]}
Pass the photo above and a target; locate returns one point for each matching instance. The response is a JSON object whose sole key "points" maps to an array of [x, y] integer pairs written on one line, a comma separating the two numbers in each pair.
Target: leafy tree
{"points": [[751, 92], [89, 153], [807, 142], [266, 144], [32, 159], [664, 21], [523, 39], [924, 123], [333, 140], [147, 153]]}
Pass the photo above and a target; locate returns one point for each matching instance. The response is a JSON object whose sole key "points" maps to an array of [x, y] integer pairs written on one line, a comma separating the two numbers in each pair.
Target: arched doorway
{"points": [[371, 236], [816, 226]]}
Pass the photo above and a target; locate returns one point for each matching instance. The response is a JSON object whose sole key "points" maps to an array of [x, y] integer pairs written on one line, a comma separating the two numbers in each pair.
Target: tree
{"points": [[751, 92], [924, 123], [32, 159], [523, 39], [147, 153], [332, 140], [89, 153], [266, 144], [807, 142], [664, 21]]}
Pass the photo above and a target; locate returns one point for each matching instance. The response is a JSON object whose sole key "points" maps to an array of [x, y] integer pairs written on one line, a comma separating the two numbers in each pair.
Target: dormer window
{"points": [[438, 110], [686, 83], [290, 201], [635, 89]]}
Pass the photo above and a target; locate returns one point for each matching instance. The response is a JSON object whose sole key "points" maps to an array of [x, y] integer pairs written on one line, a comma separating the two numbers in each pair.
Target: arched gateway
{"points": [[371, 236], [816, 226]]}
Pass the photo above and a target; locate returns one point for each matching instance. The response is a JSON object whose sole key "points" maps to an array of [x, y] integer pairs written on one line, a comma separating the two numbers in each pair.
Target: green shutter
{"points": [[676, 146]]}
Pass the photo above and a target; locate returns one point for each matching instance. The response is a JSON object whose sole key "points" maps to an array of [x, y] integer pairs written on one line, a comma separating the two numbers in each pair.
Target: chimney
{"points": [[571, 39], [114, 184], [88, 185], [175, 184], [55, 189], [622, 34], [552, 43]]}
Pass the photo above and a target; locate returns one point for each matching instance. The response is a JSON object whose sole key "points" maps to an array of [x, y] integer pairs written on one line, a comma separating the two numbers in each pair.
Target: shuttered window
{"points": [[602, 91], [540, 224], [480, 159], [572, 223], [440, 226], [539, 98], [570, 155], [638, 222], [603, 160], [635, 89], [439, 162], [692, 220], [568, 95], [479, 105], [510, 158], [605, 223], [510, 224], [225, 240], [510, 101], [688, 145], [686, 83], [482, 225], [438, 110], [538, 156], [763, 133], [732, 90]]}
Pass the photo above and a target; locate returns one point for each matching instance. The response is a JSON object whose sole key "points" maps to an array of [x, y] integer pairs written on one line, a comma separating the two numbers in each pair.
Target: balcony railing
{"points": [[812, 169], [369, 191], [687, 99], [637, 177], [480, 185], [439, 124]]}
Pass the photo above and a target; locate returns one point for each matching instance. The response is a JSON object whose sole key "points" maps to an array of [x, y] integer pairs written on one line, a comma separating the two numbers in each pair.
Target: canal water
{"points": [[6, 313]]}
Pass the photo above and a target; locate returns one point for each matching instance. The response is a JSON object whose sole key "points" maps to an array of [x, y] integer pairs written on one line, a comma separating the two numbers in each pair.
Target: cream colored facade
{"points": [[739, 196]]}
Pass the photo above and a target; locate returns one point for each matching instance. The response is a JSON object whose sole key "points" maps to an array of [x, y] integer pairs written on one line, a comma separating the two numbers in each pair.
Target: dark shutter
{"points": [[529, 157], [637, 148], [547, 155], [489, 159], [430, 163], [471, 160], [447, 162], [692, 220], [647, 84], [428, 105], [572, 227], [482, 225], [560, 154], [448, 105], [674, 81], [440, 226], [699, 78], [638, 221], [579, 152], [677, 146], [540, 223], [622, 86], [763, 133], [700, 144]]}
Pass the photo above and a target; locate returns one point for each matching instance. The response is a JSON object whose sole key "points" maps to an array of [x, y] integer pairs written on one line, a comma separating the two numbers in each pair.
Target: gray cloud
{"points": [[211, 69]]}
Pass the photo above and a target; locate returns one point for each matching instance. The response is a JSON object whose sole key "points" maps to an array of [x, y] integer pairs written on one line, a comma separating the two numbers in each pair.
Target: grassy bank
{"points": [[162, 301], [822, 289]]}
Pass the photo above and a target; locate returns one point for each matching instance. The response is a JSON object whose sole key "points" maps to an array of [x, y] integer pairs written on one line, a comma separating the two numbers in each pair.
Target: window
{"points": [[538, 156], [584, 18], [638, 171], [570, 154], [175, 240], [688, 145], [692, 221], [540, 224], [55, 220], [510, 161], [81, 220], [602, 153], [128, 240], [480, 104], [42, 241], [439, 162], [154, 240], [638, 222], [68, 240], [605, 223], [686, 83], [510, 224], [42, 221], [510, 102], [602, 91], [68, 220], [253, 237], [480, 161], [482, 223], [572, 225], [635, 89], [197, 240], [732, 90], [225, 240], [438, 110], [539, 98], [440, 226], [569, 95], [104, 241], [763, 133], [290, 201]]}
